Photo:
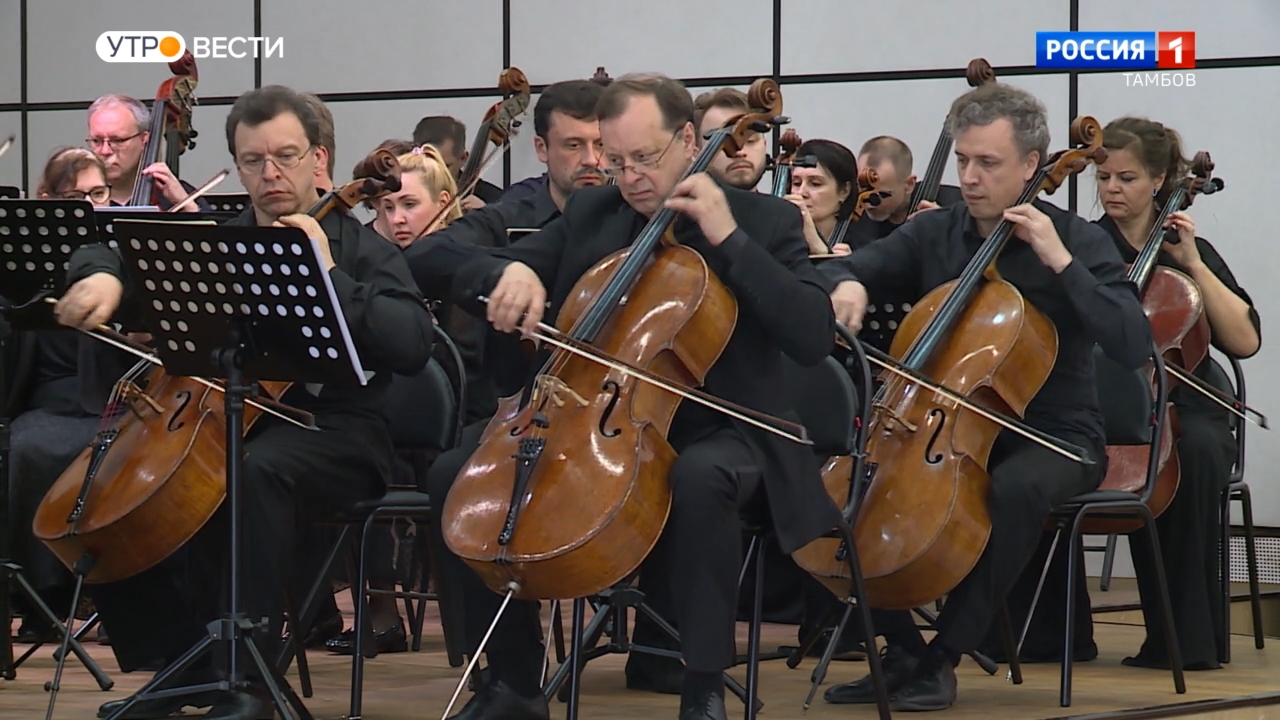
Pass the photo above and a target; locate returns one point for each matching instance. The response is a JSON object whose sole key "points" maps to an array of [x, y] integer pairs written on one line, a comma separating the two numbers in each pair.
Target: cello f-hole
{"points": [[931, 456], [184, 399], [611, 387]]}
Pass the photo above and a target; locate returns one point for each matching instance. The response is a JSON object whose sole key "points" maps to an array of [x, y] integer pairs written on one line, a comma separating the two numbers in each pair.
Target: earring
{"points": [[1155, 192]]}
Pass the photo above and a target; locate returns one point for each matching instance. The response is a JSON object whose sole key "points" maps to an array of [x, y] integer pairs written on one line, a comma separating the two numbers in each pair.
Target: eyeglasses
{"points": [[641, 164], [99, 194], [285, 161], [115, 143]]}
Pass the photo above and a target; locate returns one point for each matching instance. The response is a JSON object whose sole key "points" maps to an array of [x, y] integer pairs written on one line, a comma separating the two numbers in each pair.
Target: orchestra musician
{"points": [[59, 383], [1144, 162], [424, 202], [566, 138], [755, 244], [328, 141], [118, 133], [713, 110], [449, 136], [290, 474], [1071, 272], [825, 193]]}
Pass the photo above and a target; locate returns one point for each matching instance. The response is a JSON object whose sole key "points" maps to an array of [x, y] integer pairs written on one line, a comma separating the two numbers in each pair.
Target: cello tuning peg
{"points": [[194, 133], [781, 120]]}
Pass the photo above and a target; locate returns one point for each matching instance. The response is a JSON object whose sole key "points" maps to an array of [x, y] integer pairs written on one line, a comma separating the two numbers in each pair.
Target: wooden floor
{"points": [[418, 685]]}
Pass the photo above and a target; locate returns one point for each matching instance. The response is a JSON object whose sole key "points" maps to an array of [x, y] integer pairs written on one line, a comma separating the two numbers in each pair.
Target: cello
{"points": [[568, 492], [171, 123], [978, 73], [157, 473], [868, 196], [495, 129], [969, 354]]}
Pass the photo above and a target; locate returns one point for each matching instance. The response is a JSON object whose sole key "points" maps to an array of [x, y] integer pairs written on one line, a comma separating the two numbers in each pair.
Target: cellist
{"points": [[1145, 161], [1070, 271], [289, 473], [755, 243]]}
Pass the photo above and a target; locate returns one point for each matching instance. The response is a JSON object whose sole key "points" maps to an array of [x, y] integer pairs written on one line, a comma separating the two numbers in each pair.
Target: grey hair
{"points": [[141, 115], [987, 103]]}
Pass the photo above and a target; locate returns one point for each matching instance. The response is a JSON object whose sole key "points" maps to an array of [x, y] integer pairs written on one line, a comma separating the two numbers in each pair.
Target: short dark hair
{"points": [[671, 95], [439, 129], [575, 98], [886, 147], [727, 97], [267, 103]]}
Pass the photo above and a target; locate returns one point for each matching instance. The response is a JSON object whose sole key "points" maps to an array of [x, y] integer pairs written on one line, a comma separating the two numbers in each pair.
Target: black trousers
{"points": [[1027, 482], [290, 476], [693, 569], [41, 446]]}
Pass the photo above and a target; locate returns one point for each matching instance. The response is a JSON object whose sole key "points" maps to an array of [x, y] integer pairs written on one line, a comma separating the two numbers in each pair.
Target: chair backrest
{"points": [[426, 408], [826, 400], [1232, 385], [1125, 398]]}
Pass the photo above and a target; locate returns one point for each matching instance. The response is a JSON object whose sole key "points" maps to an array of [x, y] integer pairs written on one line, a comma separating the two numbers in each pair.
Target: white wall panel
{"points": [[63, 66], [1230, 113], [385, 45], [833, 36], [1241, 28], [911, 110], [10, 52], [555, 40], [11, 161]]}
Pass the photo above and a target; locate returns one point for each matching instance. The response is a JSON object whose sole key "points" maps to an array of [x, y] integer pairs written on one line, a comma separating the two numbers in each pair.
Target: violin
{"points": [[497, 128], [868, 196], [968, 355], [152, 478], [978, 73], [568, 491], [170, 123]]}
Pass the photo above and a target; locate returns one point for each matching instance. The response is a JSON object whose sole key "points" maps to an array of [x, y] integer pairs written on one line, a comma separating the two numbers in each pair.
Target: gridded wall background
{"points": [[848, 70]]}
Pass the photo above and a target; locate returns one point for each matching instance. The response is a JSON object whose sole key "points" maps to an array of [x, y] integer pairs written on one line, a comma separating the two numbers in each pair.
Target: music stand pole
{"points": [[257, 302]]}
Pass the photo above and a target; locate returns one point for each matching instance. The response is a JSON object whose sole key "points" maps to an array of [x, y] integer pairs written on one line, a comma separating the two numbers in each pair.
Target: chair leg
{"points": [[1166, 607], [1251, 557], [1224, 575], [1108, 562], [363, 629], [1068, 642], [1010, 645], [753, 635]]}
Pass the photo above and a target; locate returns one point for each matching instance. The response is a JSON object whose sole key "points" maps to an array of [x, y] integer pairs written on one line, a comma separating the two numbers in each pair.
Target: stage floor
{"points": [[418, 685]]}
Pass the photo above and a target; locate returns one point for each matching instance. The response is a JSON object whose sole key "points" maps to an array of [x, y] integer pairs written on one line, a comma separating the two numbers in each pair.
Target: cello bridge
{"points": [[896, 417], [135, 396], [555, 390]]}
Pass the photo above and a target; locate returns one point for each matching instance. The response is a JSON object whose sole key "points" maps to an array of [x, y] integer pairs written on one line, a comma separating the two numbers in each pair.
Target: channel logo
{"points": [[134, 46], [1116, 50]]}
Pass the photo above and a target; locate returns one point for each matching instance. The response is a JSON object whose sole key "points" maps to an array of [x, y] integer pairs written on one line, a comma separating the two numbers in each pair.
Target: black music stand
{"points": [[250, 304], [37, 238], [11, 192]]}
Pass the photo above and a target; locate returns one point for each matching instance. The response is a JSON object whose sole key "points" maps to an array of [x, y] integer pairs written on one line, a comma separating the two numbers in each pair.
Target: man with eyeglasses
{"points": [[755, 245], [289, 474], [118, 133]]}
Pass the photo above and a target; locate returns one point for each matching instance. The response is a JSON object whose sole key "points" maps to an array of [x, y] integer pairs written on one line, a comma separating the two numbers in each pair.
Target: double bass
{"points": [[171, 124], [157, 473], [967, 356], [568, 491], [496, 129]]}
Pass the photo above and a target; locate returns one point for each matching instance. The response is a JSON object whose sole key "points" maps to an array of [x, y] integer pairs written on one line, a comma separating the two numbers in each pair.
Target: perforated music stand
{"points": [[244, 304], [37, 238], [10, 191]]}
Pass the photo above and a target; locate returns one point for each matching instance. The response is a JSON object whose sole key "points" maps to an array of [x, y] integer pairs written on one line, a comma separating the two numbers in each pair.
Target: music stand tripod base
{"points": [[248, 304]]}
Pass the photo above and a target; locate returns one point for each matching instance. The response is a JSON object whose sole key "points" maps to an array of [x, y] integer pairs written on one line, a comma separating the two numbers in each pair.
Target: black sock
{"points": [[909, 640], [521, 671], [698, 684]]}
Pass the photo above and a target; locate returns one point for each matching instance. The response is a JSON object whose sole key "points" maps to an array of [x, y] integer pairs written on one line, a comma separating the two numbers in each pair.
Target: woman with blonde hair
{"points": [[427, 188]]}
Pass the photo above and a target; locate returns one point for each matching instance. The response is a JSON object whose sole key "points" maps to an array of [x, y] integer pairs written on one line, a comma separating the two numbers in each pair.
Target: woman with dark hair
{"points": [[824, 193]]}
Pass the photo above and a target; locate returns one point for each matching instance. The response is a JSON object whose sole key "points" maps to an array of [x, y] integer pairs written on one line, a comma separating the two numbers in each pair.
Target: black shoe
{"points": [[498, 701], [33, 630], [323, 631], [392, 640], [241, 706], [654, 673], [707, 706], [153, 708], [897, 665], [932, 686]]}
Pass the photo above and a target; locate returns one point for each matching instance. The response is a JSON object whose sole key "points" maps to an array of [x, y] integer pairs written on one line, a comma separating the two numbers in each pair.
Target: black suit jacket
{"points": [[782, 308]]}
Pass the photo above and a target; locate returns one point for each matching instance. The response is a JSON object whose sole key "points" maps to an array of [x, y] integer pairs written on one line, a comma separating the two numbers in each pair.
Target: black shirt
{"points": [[1090, 302], [1183, 397]]}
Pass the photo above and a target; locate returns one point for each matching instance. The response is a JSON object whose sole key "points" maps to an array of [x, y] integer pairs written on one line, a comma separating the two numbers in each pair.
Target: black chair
{"points": [[1237, 490], [1133, 417], [427, 415]]}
